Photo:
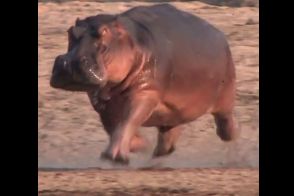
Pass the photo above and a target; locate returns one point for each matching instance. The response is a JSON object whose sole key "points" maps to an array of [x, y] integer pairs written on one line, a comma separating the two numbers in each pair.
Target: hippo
{"points": [[150, 66]]}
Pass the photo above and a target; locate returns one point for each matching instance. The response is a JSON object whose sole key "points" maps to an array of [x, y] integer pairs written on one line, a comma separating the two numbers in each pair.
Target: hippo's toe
{"points": [[118, 159]]}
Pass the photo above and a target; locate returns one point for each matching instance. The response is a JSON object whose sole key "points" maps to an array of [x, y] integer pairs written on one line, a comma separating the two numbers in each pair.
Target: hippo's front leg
{"points": [[137, 111]]}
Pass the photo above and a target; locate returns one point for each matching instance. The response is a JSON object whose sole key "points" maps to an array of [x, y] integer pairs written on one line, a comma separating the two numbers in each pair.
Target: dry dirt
{"points": [[70, 133], [192, 182]]}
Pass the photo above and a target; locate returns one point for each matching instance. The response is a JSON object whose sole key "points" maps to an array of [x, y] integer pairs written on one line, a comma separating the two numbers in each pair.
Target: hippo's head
{"points": [[100, 51]]}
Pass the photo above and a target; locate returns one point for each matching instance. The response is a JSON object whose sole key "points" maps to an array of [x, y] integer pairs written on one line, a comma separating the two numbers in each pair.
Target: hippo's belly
{"points": [[179, 108]]}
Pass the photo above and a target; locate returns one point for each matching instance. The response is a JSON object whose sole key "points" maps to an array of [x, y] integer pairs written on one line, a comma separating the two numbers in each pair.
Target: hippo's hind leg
{"points": [[226, 126], [167, 137], [226, 123]]}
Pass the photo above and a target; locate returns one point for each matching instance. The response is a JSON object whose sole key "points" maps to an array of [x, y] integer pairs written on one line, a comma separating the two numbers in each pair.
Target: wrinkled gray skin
{"points": [[149, 66]]}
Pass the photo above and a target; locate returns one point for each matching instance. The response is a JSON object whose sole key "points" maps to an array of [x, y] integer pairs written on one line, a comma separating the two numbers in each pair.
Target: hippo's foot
{"points": [[117, 159], [117, 152], [227, 127], [167, 137], [159, 151]]}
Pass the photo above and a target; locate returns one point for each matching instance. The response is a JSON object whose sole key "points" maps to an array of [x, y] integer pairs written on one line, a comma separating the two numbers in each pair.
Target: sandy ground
{"points": [[192, 182], [70, 133]]}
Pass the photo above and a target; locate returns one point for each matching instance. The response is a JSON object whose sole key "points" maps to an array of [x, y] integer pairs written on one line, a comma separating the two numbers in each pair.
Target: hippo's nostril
{"points": [[83, 59]]}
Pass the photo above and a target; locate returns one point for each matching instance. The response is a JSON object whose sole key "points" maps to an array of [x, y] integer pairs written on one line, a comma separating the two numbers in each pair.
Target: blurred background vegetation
{"points": [[230, 3]]}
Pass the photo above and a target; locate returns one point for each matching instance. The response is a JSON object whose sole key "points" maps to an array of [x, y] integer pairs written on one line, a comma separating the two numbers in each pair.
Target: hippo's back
{"points": [[179, 36], [166, 22]]}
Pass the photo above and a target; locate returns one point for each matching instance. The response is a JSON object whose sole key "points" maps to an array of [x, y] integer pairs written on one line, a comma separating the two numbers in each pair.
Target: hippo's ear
{"points": [[103, 31], [78, 31], [124, 26], [77, 21]]}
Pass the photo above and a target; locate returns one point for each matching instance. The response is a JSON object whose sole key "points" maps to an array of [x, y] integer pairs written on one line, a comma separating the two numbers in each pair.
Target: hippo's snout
{"points": [[61, 73], [75, 75]]}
